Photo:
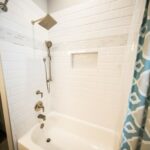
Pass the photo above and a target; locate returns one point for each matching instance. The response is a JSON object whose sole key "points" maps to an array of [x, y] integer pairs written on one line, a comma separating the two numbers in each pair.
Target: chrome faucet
{"points": [[39, 105], [41, 116]]}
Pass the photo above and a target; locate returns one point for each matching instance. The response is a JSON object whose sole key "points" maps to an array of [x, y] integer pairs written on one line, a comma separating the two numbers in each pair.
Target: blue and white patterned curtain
{"points": [[136, 131]]}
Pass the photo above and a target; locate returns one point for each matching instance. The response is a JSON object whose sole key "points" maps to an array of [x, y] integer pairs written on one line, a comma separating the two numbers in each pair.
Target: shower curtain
{"points": [[136, 131]]}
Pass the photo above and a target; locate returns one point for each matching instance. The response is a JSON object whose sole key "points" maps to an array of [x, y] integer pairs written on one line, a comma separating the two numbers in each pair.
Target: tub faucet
{"points": [[41, 116]]}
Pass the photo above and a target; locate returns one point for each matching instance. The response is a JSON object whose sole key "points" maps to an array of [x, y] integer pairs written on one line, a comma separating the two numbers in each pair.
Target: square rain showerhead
{"points": [[47, 22]]}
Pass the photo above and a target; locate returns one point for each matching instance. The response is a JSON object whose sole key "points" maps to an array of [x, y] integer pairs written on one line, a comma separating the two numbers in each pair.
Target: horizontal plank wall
{"points": [[91, 94]]}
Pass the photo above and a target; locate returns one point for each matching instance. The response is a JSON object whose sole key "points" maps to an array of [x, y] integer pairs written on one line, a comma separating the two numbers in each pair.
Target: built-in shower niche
{"points": [[84, 59]]}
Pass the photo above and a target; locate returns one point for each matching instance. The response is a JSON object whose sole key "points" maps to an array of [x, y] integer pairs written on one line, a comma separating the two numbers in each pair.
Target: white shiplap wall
{"points": [[94, 95], [22, 50], [94, 19]]}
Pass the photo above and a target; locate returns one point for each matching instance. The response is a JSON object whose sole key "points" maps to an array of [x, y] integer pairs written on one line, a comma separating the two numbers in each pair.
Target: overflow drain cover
{"points": [[48, 140]]}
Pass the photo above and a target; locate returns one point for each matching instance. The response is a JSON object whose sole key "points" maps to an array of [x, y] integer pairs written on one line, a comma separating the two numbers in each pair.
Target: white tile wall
{"points": [[94, 95], [22, 50]]}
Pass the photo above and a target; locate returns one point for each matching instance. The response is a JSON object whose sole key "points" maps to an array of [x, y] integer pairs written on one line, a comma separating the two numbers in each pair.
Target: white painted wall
{"points": [[55, 5], [22, 50], [41, 4], [94, 95]]}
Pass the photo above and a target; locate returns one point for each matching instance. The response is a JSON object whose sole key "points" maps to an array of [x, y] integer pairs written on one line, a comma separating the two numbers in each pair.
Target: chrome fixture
{"points": [[48, 58], [3, 6], [46, 22], [41, 116], [39, 92], [39, 106]]}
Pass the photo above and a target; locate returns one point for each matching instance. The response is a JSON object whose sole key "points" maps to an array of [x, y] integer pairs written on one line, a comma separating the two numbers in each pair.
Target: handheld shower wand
{"points": [[48, 76], [49, 45]]}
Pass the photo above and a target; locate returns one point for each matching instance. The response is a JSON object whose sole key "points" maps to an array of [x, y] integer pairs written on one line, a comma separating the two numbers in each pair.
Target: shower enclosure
{"points": [[92, 63]]}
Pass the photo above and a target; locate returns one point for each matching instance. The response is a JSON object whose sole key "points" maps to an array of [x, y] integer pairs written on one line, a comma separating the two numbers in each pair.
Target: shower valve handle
{"points": [[39, 92]]}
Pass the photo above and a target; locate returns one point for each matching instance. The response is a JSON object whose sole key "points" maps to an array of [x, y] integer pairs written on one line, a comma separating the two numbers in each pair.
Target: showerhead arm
{"points": [[35, 21]]}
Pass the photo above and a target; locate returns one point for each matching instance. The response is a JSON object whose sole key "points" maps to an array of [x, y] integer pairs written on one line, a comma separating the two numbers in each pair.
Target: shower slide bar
{"points": [[46, 76]]}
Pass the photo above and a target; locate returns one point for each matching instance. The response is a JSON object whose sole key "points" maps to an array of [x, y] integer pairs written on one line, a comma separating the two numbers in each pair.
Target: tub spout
{"points": [[42, 126], [41, 116]]}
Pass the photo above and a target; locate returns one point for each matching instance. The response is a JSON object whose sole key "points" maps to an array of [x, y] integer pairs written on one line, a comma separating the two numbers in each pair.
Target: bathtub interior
{"points": [[67, 133]]}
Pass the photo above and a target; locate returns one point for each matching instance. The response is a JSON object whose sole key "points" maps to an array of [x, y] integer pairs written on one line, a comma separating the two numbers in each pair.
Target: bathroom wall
{"points": [[22, 50], [41, 4], [55, 5], [92, 94]]}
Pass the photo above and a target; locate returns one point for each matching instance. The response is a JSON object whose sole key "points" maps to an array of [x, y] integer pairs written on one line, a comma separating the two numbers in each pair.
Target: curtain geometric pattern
{"points": [[136, 131]]}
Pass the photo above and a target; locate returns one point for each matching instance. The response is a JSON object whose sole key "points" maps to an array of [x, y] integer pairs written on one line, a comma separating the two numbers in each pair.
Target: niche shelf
{"points": [[84, 59]]}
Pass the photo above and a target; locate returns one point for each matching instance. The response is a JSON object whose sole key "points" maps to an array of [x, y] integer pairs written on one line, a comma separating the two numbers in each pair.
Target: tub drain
{"points": [[48, 140]]}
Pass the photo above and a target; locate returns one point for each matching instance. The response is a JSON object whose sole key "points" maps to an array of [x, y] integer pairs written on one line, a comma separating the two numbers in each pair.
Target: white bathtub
{"points": [[67, 133]]}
